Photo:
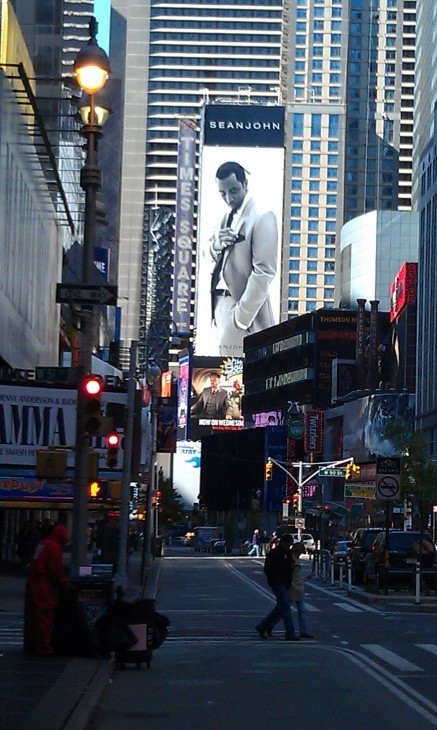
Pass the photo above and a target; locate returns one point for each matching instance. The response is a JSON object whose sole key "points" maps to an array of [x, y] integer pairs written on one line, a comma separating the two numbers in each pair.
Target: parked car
{"points": [[179, 540], [405, 548], [339, 554], [307, 539], [361, 544]]}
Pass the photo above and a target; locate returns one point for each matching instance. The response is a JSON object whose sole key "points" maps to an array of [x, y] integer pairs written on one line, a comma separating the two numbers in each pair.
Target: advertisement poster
{"points": [[240, 227], [183, 397], [216, 395]]}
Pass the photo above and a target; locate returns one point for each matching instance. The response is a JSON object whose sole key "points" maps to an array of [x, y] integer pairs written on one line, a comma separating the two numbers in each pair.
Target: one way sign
{"points": [[86, 294]]}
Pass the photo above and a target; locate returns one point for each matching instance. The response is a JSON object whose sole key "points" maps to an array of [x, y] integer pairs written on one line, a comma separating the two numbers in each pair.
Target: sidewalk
{"points": [[50, 693]]}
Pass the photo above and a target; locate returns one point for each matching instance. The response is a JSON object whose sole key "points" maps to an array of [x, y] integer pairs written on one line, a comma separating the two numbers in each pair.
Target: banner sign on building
{"points": [[313, 434], [33, 418], [403, 289], [183, 257], [245, 269]]}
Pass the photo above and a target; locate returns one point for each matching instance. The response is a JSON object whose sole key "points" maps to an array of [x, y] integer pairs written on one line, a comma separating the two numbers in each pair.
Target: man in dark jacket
{"points": [[278, 567]]}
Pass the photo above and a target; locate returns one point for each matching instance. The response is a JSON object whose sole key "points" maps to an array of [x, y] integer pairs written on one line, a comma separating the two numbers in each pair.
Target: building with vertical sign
{"points": [[184, 227]]}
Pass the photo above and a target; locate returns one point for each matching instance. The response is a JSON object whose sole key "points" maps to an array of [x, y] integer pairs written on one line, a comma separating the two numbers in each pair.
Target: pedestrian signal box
{"points": [[51, 464]]}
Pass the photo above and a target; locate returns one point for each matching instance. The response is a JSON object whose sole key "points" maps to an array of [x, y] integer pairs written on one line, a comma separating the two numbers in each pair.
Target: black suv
{"points": [[405, 548], [361, 544]]}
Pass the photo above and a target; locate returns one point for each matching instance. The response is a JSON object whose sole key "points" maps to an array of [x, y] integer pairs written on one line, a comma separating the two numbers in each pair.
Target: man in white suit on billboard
{"points": [[244, 250]]}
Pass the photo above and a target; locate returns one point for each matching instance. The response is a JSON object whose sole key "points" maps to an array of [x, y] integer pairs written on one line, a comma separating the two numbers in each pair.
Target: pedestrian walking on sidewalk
{"points": [[278, 567], [42, 592]]}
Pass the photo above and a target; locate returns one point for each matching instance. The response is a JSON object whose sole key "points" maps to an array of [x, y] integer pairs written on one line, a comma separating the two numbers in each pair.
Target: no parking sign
{"points": [[388, 477]]}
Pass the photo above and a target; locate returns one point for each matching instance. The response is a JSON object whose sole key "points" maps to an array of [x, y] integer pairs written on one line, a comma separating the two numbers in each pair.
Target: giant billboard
{"points": [[216, 394], [241, 185]]}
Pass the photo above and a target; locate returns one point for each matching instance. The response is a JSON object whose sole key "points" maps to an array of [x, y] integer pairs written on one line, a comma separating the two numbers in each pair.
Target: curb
{"points": [[80, 687], [401, 603]]}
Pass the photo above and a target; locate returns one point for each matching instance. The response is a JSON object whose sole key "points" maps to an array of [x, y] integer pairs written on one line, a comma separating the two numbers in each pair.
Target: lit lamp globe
{"points": [[92, 64]]}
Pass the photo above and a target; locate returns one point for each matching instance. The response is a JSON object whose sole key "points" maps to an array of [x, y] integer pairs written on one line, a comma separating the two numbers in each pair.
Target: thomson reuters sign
{"points": [[313, 433]]}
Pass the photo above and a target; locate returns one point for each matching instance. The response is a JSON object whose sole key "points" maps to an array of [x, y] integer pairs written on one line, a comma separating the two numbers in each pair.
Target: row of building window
{"points": [[310, 292]]}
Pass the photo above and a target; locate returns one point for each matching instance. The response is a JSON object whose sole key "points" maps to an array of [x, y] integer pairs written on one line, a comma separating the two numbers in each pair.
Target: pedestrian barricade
{"points": [[321, 566]]}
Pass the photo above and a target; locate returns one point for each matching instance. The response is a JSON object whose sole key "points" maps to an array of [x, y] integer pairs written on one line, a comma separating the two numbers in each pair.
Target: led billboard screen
{"points": [[238, 262], [216, 393]]}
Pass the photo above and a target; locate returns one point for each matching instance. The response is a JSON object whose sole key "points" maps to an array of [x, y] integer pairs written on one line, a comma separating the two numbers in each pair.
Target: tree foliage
{"points": [[419, 470], [172, 510]]}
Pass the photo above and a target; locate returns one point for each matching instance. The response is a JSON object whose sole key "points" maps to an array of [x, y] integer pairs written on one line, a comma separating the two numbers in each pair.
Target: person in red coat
{"points": [[42, 591]]}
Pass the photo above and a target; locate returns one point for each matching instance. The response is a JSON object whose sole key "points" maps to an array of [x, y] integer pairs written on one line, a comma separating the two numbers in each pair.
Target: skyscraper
{"points": [[179, 55], [348, 78], [344, 70]]}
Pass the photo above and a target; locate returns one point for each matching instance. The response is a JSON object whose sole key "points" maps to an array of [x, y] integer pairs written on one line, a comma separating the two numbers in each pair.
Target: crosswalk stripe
{"points": [[391, 658], [432, 648], [349, 607]]}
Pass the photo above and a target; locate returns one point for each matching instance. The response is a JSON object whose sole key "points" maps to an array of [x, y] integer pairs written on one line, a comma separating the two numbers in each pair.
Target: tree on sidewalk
{"points": [[418, 468]]}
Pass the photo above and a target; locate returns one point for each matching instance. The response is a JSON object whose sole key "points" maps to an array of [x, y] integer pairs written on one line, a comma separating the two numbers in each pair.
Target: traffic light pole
{"points": [[300, 481], [121, 577]]}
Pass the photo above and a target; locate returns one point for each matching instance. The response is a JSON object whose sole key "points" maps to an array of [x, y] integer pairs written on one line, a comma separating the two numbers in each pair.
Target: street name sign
{"points": [[332, 472], [86, 294]]}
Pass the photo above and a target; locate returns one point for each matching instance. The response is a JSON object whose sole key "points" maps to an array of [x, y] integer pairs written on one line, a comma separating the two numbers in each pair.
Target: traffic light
{"points": [[112, 446], [269, 471], [348, 471], [296, 501], [356, 469], [157, 500], [91, 388]]}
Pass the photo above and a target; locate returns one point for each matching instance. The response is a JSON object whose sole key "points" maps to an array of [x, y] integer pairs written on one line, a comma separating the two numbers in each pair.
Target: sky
{"points": [[102, 10]]}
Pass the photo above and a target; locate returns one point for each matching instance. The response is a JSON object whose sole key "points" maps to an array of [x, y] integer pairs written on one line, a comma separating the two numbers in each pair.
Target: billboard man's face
{"points": [[232, 190], [214, 380]]}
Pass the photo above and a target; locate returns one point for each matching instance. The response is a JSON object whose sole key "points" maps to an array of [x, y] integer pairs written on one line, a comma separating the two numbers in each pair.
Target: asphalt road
{"points": [[366, 668]]}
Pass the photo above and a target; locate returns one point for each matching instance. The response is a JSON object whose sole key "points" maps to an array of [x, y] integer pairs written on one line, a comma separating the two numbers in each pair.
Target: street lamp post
{"points": [[153, 375], [91, 68]]}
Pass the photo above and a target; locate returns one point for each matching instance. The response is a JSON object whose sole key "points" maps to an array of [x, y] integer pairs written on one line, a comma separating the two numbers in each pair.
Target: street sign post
{"points": [[359, 491], [333, 472], [388, 477], [87, 294]]}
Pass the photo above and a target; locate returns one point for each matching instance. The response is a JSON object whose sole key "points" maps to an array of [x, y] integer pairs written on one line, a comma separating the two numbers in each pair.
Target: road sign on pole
{"points": [[388, 477], [86, 294], [332, 472]]}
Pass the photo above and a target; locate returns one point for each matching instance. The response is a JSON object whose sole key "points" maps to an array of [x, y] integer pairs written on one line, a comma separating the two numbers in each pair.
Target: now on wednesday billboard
{"points": [[238, 259]]}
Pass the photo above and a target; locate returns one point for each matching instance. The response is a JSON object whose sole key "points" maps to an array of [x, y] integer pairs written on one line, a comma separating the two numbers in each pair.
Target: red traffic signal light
{"points": [[158, 499], [91, 388], [112, 446]]}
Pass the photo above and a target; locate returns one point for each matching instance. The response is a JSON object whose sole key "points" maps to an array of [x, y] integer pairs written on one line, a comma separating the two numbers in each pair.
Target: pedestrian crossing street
{"points": [[416, 662]]}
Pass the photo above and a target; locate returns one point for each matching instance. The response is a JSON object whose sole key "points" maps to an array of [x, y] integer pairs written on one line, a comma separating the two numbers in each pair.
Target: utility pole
{"points": [[121, 578], [300, 481]]}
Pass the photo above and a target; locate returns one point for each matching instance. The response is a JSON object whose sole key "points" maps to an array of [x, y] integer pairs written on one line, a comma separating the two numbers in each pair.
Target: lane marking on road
{"points": [[391, 658], [432, 648], [396, 686], [362, 606], [349, 607]]}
